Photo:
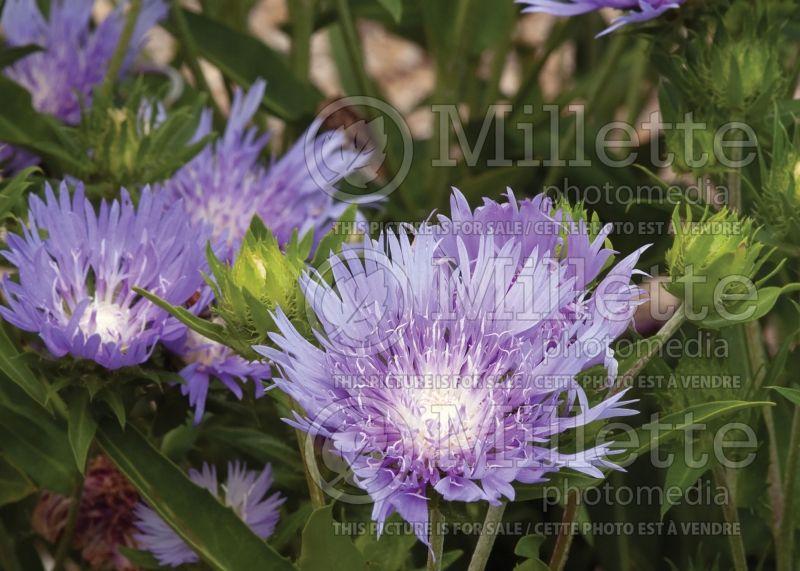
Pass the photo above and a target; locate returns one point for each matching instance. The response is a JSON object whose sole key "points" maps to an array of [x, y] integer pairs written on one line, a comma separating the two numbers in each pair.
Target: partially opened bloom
{"points": [[244, 491], [635, 10], [448, 359], [206, 359], [226, 184], [105, 517], [76, 269], [74, 57]]}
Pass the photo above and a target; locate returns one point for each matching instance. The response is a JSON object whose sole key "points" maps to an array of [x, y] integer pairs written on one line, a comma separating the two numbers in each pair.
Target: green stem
{"points": [[726, 479], [352, 45], [449, 77], [436, 522], [483, 549], [655, 343], [735, 183], [499, 58], [8, 557], [64, 544], [301, 14], [190, 53], [122, 48], [786, 546], [564, 540], [599, 81]]}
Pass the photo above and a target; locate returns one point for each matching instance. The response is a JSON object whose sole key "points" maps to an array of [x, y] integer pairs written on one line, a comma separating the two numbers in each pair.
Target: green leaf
{"points": [[389, 553], [204, 327], [114, 401], [331, 243], [142, 559], [756, 309], [290, 526], [260, 445], [286, 96], [644, 439], [532, 565], [792, 395], [11, 55], [14, 484], [16, 370], [682, 476], [394, 7], [33, 441], [13, 190], [81, 428], [529, 546], [325, 550], [218, 536], [680, 421], [22, 125]]}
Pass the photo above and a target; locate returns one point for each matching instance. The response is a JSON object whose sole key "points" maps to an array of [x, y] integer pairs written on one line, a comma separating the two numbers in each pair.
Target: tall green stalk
{"points": [[121, 50], [483, 549], [786, 545], [726, 479], [564, 540], [436, 539]]}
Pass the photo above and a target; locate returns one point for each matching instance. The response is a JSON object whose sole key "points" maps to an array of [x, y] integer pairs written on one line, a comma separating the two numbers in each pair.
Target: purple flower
{"points": [[206, 359], [225, 185], [244, 491], [74, 58], [448, 359], [636, 10], [76, 269]]}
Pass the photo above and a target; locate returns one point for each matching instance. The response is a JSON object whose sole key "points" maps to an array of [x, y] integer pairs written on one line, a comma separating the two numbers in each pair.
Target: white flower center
{"points": [[109, 320]]}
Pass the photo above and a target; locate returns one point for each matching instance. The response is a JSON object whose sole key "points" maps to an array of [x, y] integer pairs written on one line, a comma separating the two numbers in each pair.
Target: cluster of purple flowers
{"points": [[487, 331]]}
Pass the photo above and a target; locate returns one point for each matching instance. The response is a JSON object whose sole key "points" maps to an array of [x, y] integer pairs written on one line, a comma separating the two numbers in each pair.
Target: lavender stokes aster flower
{"points": [[74, 58], [449, 360], [206, 359], [224, 186], [245, 491], [637, 10], [77, 269]]}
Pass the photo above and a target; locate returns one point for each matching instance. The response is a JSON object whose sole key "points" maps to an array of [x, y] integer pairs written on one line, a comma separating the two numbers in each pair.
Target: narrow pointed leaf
{"points": [[212, 530]]}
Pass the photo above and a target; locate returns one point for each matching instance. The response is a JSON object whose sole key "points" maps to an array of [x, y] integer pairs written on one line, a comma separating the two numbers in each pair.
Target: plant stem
{"points": [[122, 48], [436, 522], [726, 479], [301, 13], [483, 549], [190, 54], [314, 491], [449, 75], [64, 544], [352, 44], [786, 546], [599, 81], [564, 540], [654, 344], [8, 557]]}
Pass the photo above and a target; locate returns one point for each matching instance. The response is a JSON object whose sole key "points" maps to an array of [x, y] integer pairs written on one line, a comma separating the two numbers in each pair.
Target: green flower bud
{"points": [[713, 264], [262, 278]]}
